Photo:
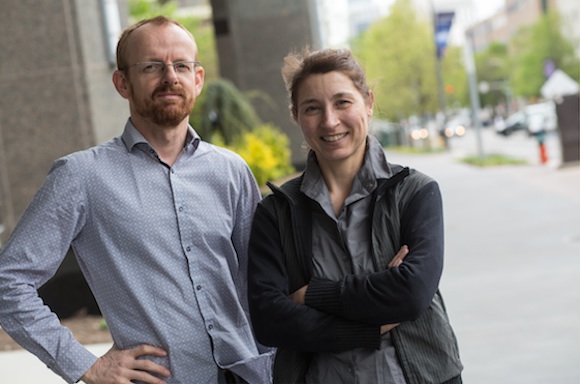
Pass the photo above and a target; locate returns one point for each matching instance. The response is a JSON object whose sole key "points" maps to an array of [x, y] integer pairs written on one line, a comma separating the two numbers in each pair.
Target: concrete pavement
{"points": [[512, 273]]}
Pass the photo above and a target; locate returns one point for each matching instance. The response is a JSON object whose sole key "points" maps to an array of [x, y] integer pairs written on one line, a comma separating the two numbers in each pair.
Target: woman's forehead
{"points": [[326, 84]]}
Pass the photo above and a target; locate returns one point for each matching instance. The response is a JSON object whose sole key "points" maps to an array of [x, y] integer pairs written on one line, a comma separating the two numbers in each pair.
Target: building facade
{"points": [[517, 14], [56, 63]]}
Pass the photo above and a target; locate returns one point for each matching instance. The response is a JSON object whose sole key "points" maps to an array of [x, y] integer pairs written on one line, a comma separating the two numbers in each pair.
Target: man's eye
{"points": [[151, 67], [182, 67]]}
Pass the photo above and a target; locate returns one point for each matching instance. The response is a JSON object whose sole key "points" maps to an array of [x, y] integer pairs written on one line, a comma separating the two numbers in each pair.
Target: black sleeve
{"points": [[397, 294], [280, 322]]}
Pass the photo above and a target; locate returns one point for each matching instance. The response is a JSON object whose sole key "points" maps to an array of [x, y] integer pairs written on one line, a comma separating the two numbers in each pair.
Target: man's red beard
{"points": [[166, 113]]}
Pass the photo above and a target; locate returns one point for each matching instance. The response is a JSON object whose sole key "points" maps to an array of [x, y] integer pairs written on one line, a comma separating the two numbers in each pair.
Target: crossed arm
{"points": [[299, 295]]}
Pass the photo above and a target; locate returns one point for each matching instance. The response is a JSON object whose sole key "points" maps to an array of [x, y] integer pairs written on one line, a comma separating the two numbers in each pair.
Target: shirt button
{"points": [[180, 209], [198, 287], [188, 249], [210, 327]]}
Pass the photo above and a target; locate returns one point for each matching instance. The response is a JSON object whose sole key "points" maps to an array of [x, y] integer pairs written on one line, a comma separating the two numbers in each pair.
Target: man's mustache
{"points": [[170, 89]]}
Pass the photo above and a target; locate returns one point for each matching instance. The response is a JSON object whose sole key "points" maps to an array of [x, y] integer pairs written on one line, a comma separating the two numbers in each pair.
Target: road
{"points": [[511, 280], [512, 274]]}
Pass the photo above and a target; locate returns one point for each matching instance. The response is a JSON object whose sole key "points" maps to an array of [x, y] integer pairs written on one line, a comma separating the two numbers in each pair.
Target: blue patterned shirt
{"points": [[164, 250]]}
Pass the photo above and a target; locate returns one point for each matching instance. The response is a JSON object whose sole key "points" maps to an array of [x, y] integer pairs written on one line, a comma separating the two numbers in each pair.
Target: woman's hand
{"points": [[399, 257], [298, 296]]}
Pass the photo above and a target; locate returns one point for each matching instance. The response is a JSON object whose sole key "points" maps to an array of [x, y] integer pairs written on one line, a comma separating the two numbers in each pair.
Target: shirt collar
{"points": [[132, 137], [375, 167]]}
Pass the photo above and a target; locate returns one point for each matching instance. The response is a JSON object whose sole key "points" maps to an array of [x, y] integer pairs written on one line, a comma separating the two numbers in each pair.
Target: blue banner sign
{"points": [[443, 22]]}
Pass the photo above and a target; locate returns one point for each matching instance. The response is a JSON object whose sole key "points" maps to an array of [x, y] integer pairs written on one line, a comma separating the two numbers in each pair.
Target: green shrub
{"points": [[266, 150]]}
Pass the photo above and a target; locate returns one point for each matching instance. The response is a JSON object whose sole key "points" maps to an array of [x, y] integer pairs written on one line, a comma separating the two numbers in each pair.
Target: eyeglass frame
{"points": [[164, 66]]}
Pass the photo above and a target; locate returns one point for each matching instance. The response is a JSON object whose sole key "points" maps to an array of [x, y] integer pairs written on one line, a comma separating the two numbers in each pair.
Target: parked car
{"points": [[515, 122], [529, 118], [457, 125]]}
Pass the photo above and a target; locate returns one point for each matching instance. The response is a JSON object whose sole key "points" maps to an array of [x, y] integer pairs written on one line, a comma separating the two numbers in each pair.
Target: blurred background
{"points": [[485, 88]]}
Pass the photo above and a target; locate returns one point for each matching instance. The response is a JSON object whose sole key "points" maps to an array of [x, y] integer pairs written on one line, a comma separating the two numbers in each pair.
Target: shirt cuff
{"points": [[74, 363]]}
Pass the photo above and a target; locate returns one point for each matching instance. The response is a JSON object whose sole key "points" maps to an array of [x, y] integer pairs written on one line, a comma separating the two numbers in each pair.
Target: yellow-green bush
{"points": [[266, 150]]}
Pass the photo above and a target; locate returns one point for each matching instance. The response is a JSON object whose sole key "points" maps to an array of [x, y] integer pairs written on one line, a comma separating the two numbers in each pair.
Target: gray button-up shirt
{"points": [[164, 250], [341, 246]]}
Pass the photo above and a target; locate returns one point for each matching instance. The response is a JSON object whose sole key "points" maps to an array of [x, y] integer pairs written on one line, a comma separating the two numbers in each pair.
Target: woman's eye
{"points": [[311, 109]]}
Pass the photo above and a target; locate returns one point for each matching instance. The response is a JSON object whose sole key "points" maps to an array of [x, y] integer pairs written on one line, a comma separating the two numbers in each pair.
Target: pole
{"points": [[440, 90], [473, 93]]}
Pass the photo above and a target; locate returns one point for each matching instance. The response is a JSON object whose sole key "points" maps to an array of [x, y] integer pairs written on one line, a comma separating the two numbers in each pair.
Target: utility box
{"points": [[568, 112]]}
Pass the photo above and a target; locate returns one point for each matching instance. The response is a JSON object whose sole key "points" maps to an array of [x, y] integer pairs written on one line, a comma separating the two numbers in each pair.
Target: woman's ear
{"points": [[371, 104]]}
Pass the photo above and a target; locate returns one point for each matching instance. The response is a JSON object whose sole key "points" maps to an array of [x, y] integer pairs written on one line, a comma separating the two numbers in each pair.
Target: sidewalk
{"points": [[21, 367], [512, 272]]}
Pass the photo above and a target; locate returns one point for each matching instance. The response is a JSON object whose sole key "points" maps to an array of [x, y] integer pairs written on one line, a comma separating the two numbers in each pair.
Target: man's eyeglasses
{"points": [[158, 67]]}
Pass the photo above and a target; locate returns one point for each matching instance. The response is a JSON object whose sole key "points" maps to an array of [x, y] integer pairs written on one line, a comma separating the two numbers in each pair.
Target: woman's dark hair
{"points": [[298, 66]]}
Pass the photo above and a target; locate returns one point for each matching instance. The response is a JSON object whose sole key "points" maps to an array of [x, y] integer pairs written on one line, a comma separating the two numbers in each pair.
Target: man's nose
{"points": [[169, 73]]}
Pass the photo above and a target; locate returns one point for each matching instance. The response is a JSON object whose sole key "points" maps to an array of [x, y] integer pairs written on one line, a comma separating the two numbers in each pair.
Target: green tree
{"points": [[455, 77], [493, 67], [532, 47], [398, 53], [225, 112], [145, 9]]}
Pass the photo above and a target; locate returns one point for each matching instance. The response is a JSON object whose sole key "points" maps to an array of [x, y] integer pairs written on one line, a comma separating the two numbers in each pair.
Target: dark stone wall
{"points": [[57, 96], [253, 36]]}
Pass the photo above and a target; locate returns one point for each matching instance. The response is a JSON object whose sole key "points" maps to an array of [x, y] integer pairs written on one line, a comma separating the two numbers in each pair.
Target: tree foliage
{"points": [[532, 47], [493, 67], [455, 77], [225, 111], [266, 150], [398, 53]]}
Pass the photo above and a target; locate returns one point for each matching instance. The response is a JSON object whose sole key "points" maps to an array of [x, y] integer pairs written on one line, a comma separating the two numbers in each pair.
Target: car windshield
{"points": [[515, 118]]}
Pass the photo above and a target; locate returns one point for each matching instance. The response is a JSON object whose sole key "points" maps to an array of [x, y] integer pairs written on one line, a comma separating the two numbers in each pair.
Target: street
{"points": [[511, 278], [512, 274]]}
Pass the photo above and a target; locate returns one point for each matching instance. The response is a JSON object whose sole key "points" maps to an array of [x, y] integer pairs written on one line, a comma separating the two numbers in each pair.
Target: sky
{"points": [[486, 8], [467, 13]]}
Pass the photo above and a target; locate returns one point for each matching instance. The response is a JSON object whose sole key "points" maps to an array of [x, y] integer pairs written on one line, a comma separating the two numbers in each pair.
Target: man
{"points": [[159, 221]]}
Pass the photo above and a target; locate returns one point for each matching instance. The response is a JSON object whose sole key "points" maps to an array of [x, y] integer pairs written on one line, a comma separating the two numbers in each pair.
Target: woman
{"points": [[345, 260]]}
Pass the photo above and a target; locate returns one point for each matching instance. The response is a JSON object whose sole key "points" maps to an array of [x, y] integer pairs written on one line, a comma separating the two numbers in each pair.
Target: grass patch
{"points": [[492, 160], [414, 150]]}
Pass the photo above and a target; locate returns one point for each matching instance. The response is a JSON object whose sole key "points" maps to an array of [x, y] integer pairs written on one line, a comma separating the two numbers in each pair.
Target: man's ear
{"points": [[121, 83], [199, 80]]}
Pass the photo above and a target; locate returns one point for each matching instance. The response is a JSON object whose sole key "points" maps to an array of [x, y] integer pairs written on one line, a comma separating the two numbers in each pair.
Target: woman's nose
{"points": [[330, 117]]}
